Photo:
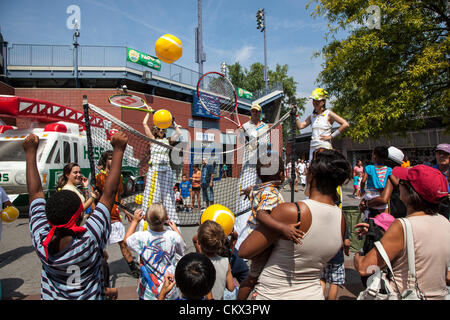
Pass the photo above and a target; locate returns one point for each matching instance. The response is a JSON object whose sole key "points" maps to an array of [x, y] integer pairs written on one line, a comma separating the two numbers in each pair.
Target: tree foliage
{"points": [[253, 81], [387, 79]]}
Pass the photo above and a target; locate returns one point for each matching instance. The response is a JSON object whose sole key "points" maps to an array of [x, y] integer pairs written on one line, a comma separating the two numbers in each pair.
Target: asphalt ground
{"points": [[20, 268]]}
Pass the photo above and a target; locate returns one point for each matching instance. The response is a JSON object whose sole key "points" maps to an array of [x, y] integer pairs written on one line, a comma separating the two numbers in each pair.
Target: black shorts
{"points": [[195, 188]]}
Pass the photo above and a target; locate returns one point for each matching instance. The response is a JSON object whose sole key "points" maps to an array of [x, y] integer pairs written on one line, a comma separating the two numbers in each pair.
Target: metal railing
{"points": [[52, 56]]}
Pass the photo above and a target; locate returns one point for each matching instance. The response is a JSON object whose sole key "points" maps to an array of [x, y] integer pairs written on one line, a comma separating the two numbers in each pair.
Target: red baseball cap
{"points": [[428, 182]]}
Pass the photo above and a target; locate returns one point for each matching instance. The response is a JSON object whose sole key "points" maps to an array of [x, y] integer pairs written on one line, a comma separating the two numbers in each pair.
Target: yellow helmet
{"points": [[319, 94]]}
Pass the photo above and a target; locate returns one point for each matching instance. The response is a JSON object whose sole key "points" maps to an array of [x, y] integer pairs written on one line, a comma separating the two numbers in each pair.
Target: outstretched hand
{"points": [[362, 228], [138, 216], [173, 226], [246, 192]]}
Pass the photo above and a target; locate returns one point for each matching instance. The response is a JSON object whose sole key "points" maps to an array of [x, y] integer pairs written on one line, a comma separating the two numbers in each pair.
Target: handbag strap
{"points": [[385, 257], [410, 247], [412, 279]]}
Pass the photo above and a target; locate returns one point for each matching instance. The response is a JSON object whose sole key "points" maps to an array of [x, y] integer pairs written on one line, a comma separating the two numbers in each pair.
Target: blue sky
{"points": [[229, 30]]}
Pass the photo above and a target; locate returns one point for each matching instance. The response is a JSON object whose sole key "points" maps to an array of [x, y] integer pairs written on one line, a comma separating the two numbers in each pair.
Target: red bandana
{"points": [[70, 225]]}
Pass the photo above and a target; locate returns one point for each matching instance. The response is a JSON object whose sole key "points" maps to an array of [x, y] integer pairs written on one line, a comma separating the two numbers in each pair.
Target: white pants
{"points": [[159, 189], [248, 178]]}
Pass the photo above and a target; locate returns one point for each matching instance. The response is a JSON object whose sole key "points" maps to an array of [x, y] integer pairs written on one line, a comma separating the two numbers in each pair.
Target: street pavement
{"points": [[20, 268]]}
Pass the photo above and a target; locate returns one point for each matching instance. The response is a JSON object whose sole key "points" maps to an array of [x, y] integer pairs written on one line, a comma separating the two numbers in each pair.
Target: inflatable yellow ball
{"points": [[9, 214], [168, 48], [138, 199], [220, 214], [162, 119]]}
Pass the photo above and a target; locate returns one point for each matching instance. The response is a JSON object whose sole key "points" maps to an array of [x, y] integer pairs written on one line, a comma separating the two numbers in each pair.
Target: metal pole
{"points": [[199, 38], [293, 128], [265, 57], [75, 47], [76, 64]]}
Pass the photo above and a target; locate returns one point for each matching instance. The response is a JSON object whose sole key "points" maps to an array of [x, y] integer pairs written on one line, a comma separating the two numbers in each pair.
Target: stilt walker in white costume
{"points": [[159, 181], [251, 129], [321, 121]]}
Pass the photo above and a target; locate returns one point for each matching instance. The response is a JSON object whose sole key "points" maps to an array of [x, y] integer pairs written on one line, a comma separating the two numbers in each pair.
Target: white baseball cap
{"points": [[396, 155]]}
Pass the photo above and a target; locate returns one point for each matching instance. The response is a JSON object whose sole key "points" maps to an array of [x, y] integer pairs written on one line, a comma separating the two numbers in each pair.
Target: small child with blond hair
{"points": [[157, 249]]}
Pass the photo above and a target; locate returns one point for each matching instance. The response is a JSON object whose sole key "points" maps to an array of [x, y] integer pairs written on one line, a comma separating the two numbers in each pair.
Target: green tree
{"points": [[253, 80], [391, 76]]}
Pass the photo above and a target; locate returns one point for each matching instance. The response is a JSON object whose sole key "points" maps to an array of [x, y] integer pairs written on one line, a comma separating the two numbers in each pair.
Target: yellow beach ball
{"points": [[9, 214], [162, 119], [168, 48], [220, 214]]}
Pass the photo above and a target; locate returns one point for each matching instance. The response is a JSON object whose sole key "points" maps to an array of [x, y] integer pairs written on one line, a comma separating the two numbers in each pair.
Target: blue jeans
{"points": [[208, 194]]}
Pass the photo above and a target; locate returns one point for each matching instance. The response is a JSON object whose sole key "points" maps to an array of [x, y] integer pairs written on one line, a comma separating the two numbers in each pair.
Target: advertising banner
{"points": [[143, 59]]}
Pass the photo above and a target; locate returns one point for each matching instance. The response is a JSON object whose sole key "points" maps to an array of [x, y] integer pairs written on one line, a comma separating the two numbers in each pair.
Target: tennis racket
{"points": [[218, 96], [130, 102]]}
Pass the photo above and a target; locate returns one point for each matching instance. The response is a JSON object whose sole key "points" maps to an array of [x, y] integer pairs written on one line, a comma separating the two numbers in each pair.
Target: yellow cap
{"points": [[319, 94], [256, 106]]}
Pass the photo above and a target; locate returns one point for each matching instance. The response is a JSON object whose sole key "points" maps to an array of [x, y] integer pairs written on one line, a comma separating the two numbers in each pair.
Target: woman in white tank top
{"points": [[293, 270], [422, 188], [321, 121]]}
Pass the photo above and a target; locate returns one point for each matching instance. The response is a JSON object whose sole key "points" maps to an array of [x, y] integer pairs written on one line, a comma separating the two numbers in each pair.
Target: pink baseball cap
{"points": [[428, 182], [384, 220]]}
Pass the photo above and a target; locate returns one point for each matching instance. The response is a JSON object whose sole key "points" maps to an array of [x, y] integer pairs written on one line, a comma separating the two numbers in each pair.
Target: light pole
{"points": [[261, 26], [200, 56], [223, 68], [76, 34]]}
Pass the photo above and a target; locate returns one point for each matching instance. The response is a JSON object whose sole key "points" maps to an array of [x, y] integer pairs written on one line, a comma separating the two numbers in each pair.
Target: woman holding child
{"points": [[293, 270]]}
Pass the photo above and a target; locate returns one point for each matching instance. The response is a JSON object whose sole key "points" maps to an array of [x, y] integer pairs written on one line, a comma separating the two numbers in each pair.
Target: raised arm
{"points": [[34, 184], [119, 143], [304, 124], [177, 133], [147, 129]]}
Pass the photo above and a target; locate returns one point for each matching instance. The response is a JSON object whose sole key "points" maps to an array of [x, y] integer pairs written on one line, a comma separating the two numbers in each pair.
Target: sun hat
{"points": [[384, 220], [428, 182], [319, 94]]}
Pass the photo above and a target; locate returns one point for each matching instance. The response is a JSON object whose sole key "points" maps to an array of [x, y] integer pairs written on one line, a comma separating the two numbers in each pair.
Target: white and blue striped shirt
{"points": [[75, 272]]}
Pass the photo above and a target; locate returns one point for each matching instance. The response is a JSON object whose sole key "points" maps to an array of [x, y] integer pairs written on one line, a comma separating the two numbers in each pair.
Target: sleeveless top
{"points": [[221, 266], [432, 253], [72, 188], [292, 271], [320, 127], [159, 155]]}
